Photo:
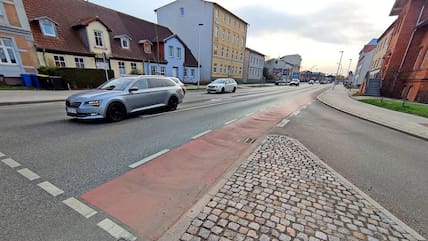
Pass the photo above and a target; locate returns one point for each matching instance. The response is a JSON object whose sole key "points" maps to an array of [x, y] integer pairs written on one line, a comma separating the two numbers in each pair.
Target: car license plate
{"points": [[71, 110]]}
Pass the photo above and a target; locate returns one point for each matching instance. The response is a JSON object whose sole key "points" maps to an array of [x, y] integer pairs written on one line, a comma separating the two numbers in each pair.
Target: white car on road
{"points": [[222, 86]]}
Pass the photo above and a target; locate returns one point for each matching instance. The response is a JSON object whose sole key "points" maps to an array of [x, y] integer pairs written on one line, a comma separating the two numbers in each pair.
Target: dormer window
{"points": [[125, 43], [124, 40], [99, 40], [47, 26], [147, 46]]}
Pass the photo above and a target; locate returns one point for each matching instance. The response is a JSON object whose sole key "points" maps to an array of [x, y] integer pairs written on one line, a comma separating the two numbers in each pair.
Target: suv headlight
{"points": [[95, 103]]}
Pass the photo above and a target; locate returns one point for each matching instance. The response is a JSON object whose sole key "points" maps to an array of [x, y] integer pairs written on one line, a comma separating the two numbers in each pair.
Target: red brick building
{"points": [[406, 60]]}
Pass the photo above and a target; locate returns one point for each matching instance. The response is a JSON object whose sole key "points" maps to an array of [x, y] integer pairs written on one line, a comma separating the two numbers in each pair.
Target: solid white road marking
{"points": [[296, 113], [252, 113], [230, 122], [201, 134], [2, 154], [30, 175], [147, 159], [283, 123], [50, 188], [80, 207], [304, 107], [115, 230], [11, 163]]}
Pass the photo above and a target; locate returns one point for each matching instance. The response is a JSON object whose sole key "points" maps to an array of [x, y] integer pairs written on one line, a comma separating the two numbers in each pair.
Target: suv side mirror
{"points": [[132, 89]]}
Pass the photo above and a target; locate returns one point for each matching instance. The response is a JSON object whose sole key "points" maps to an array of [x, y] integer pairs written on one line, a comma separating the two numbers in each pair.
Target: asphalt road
{"points": [[389, 166], [77, 156]]}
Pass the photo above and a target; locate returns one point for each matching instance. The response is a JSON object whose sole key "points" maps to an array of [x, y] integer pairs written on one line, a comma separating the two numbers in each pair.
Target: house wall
{"points": [[186, 26], [174, 61], [14, 26], [189, 77], [363, 66], [114, 65], [391, 85], [47, 59], [97, 26], [255, 69], [381, 48], [230, 44]]}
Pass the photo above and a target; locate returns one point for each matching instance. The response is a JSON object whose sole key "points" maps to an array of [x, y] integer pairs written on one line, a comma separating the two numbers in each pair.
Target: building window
{"points": [[224, 17], [171, 51], [415, 66], [178, 53], [133, 66], [222, 51], [233, 53], [181, 11], [192, 72], [80, 64], [59, 61], [48, 28], [153, 70], [216, 13], [424, 61], [221, 68], [224, 34], [125, 43], [215, 68], [227, 53], [162, 70], [185, 72], [216, 31], [99, 41], [215, 50], [7, 51], [122, 69], [240, 70]]}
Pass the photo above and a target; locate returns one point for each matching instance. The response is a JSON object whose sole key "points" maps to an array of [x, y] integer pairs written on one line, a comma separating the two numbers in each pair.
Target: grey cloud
{"points": [[342, 23]]}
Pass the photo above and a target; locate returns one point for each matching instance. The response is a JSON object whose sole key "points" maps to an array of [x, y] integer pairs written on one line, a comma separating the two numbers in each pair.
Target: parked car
{"points": [[178, 81], [117, 98], [222, 86], [311, 82], [324, 81], [295, 82], [317, 81], [282, 82]]}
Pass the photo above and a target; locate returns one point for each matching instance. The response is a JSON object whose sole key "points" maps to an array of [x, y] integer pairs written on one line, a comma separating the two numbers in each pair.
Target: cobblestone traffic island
{"points": [[283, 192]]}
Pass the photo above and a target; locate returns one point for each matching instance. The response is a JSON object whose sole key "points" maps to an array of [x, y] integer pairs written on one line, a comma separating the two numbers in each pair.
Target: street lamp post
{"points": [[340, 63], [199, 53]]}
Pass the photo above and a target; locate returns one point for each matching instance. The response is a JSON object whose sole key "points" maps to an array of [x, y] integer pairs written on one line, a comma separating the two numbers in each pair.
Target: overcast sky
{"points": [[315, 29]]}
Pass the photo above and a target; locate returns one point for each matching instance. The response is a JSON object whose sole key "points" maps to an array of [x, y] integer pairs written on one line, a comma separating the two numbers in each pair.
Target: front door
{"points": [[175, 72]]}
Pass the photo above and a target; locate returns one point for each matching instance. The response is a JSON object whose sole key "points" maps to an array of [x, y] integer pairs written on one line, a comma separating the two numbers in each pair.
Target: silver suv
{"points": [[117, 98]]}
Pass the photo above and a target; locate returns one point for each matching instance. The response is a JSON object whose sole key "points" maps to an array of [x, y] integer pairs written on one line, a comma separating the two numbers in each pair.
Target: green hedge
{"points": [[79, 78]]}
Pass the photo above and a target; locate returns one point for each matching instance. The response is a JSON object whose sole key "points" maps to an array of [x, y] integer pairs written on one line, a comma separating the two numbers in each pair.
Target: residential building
{"points": [[253, 66], [80, 34], [295, 60], [406, 60], [364, 62], [372, 84], [280, 69], [219, 34], [17, 53]]}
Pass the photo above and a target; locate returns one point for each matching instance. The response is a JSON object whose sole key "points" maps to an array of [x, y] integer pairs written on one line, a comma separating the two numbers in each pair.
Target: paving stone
{"points": [[281, 193]]}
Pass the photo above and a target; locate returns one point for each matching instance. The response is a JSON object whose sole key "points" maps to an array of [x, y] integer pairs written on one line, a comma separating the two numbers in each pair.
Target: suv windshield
{"points": [[219, 81], [117, 84]]}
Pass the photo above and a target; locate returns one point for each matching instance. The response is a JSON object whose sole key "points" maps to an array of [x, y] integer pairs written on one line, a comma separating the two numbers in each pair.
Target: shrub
{"points": [[78, 78]]}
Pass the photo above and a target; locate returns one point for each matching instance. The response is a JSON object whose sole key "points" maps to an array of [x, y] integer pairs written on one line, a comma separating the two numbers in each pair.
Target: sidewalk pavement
{"points": [[284, 192], [14, 97], [338, 98]]}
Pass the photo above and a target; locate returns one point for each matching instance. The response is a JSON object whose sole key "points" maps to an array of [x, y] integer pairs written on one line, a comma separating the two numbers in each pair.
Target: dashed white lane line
{"points": [[11, 163], [252, 113], [201, 134], [115, 230], [283, 123], [147, 159], [230, 122], [2, 154], [27, 173], [80, 207], [50, 188]]}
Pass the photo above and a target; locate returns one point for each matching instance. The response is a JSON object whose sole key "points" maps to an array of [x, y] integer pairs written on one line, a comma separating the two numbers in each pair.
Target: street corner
{"points": [[284, 192]]}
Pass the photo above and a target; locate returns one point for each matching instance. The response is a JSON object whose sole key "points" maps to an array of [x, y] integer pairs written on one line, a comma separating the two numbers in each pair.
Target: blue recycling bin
{"points": [[35, 80], [26, 79]]}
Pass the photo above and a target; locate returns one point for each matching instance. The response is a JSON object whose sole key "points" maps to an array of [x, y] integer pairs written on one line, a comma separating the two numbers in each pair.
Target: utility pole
{"points": [[199, 53]]}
